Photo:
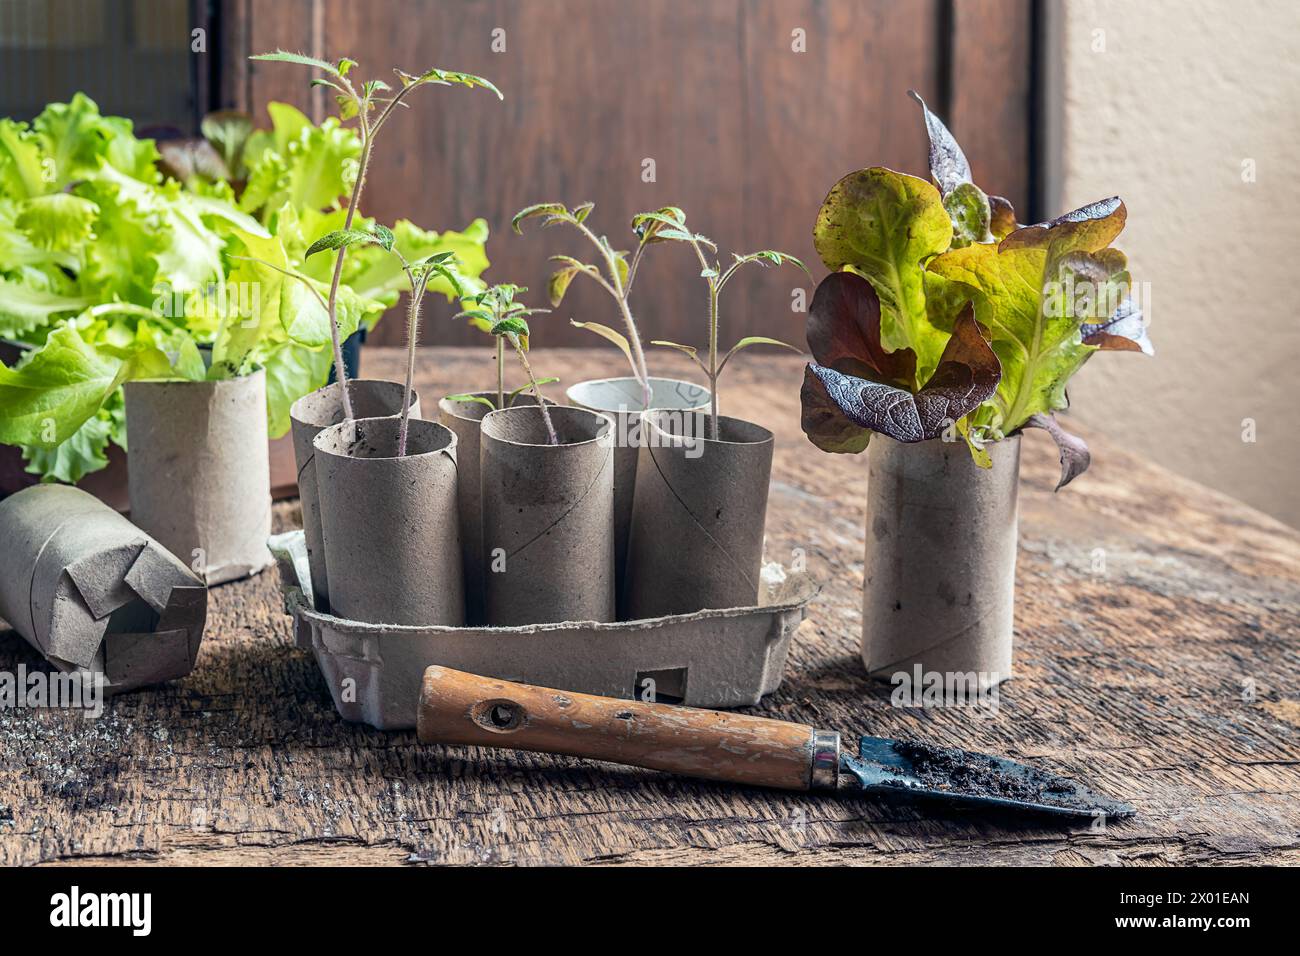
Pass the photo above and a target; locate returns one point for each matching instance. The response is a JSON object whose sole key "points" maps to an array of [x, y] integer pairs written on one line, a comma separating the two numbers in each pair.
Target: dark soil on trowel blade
{"points": [[962, 772]]}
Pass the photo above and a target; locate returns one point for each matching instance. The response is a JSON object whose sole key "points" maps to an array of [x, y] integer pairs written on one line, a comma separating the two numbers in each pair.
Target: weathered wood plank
{"points": [[1133, 662], [991, 95], [745, 132]]}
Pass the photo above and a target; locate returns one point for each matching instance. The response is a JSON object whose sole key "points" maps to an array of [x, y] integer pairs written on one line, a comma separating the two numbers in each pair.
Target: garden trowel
{"points": [[466, 709]]}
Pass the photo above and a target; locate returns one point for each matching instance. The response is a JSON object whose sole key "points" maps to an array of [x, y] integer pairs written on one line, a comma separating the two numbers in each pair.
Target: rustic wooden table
{"points": [[1158, 657]]}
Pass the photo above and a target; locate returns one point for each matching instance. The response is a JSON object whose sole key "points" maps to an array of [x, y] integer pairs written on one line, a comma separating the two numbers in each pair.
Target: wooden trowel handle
{"points": [[460, 708]]}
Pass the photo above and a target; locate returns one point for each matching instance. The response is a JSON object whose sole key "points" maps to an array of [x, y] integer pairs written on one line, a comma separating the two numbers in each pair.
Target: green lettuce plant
{"points": [[371, 104], [616, 278], [669, 225], [942, 312], [110, 272]]}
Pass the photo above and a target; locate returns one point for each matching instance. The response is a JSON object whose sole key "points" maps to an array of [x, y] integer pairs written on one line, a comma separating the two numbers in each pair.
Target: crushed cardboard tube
{"points": [[310, 415], [463, 417], [389, 525], [548, 516], [623, 400], [93, 593], [940, 564], [698, 516], [199, 476]]}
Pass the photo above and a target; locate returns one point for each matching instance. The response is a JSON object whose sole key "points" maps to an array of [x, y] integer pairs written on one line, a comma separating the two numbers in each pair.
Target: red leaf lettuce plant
{"points": [[942, 312]]}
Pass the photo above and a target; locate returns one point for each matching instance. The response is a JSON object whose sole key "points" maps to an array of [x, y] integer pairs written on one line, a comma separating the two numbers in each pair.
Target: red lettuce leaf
{"points": [[859, 391], [844, 333], [1075, 456]]}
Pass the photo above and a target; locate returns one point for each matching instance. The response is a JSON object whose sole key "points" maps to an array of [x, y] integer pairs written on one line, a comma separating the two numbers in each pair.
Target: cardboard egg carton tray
{"points": [[713, 658]]}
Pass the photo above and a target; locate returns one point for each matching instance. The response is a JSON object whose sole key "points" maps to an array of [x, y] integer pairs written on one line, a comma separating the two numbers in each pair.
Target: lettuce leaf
{"points": [[855, 386], [1022, 297], [886, 226], [49, 396]]}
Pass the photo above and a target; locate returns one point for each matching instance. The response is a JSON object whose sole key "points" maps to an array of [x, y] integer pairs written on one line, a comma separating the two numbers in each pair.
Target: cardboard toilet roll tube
{"points": [[308, 417], [389, 524], [95, 594], [198, 474], [699, 515], [623, 400], [463, 417], [940, 567], [548, 516]]}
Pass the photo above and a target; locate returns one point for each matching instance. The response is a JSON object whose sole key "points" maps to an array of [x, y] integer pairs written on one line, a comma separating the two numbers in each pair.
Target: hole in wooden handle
{"points": [[501, 716]]}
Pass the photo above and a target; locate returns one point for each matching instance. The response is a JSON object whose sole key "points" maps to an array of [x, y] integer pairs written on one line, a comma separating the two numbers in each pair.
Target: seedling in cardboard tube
{"points": [[498, 314], [669, 225], [617, 279], [374, 95], [418, 274]]}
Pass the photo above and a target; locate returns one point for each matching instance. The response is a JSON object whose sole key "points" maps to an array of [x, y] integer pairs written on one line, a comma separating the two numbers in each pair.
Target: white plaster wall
{"points": [[1162, 107]]}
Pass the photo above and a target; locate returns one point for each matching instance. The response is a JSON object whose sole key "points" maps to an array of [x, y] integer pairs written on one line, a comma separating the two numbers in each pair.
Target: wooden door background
{"points": [[747, 134]]}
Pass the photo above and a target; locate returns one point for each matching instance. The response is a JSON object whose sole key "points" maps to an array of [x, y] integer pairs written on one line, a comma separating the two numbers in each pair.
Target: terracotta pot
{"points": [[699, 515], [940, 567], [464, 417], [199, 479], [308, 417], [548, 516], [389, 524], [623, 400]]}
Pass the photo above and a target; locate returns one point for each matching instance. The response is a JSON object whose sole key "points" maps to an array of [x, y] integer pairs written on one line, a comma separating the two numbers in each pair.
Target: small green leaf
{"points": [[446, 78], [605, 332], [345, 65], [472, 398], [338, 239], [442, 264], [580, 213], [688, 349], [979, 454], [348, 107], [647, 224], [684, 349], [523, 388], [510, 326], [558, 284], [620, 263], [971, 215], [385, 237], [283, 56], [751, 340], [538, 209]]}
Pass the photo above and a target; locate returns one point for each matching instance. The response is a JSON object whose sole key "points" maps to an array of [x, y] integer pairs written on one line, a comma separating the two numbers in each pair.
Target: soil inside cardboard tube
{"points": [[962, 772]]}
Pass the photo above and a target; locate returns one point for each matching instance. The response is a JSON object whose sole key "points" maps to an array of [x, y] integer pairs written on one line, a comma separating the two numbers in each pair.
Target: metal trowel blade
{"points": [[907, 768]]}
